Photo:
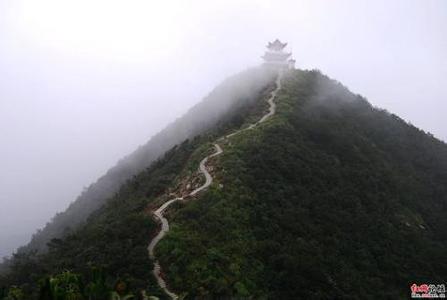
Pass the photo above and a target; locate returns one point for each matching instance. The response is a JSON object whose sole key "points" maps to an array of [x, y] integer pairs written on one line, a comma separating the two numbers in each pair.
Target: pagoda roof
{"points": [[276, 45]]}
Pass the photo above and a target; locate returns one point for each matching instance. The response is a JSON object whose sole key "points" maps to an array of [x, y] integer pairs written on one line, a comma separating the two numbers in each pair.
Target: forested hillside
{"points": [[330, 198], [114, 237], [222, 102]]}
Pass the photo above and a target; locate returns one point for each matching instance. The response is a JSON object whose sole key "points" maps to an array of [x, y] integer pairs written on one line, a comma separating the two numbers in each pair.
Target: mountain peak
{"points": [[288, 187]]}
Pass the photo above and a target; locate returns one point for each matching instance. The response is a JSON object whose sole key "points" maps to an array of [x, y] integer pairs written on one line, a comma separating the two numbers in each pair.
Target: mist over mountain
{"points": [[83, 83], [325, 199], [223, 101]]}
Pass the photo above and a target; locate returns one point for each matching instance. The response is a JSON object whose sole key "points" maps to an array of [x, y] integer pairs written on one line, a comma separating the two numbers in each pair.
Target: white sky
{"points": [[82, 83]]}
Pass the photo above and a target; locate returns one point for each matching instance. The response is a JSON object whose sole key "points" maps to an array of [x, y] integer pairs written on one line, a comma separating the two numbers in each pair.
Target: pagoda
{"points": [[275, 55]]}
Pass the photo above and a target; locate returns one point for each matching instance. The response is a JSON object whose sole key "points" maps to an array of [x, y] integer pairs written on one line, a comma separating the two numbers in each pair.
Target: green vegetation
{"points": [[115, 236], [71, 286], [329, 199], [223, 107]]}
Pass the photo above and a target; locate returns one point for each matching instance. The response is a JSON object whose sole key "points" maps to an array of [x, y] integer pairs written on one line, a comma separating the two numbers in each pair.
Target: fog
{"points": [[83, 83]]}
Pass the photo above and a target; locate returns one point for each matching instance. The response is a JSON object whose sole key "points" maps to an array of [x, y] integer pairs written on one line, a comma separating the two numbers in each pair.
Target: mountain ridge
{"points": [[158, 213], [329, 198], [331, 187], [221, 102]]}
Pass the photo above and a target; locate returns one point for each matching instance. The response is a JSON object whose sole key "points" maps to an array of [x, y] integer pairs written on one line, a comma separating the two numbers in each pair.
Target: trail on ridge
{"points": [[158, 213]]}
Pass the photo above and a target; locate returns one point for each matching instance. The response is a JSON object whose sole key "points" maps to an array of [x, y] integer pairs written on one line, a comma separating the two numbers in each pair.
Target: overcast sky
{"points": [[83, 83]]}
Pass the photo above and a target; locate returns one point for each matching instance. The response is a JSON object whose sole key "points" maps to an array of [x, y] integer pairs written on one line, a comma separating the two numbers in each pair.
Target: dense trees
{"points": [[115, 236], [224, 106], [330, 199]]}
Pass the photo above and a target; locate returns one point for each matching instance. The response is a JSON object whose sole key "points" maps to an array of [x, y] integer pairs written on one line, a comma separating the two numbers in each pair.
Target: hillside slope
{"points": [[115, 236], [330, 198], [225, 101]]}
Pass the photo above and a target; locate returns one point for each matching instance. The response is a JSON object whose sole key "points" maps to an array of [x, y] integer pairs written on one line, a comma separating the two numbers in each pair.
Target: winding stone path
{"points": [[208, 180]]}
